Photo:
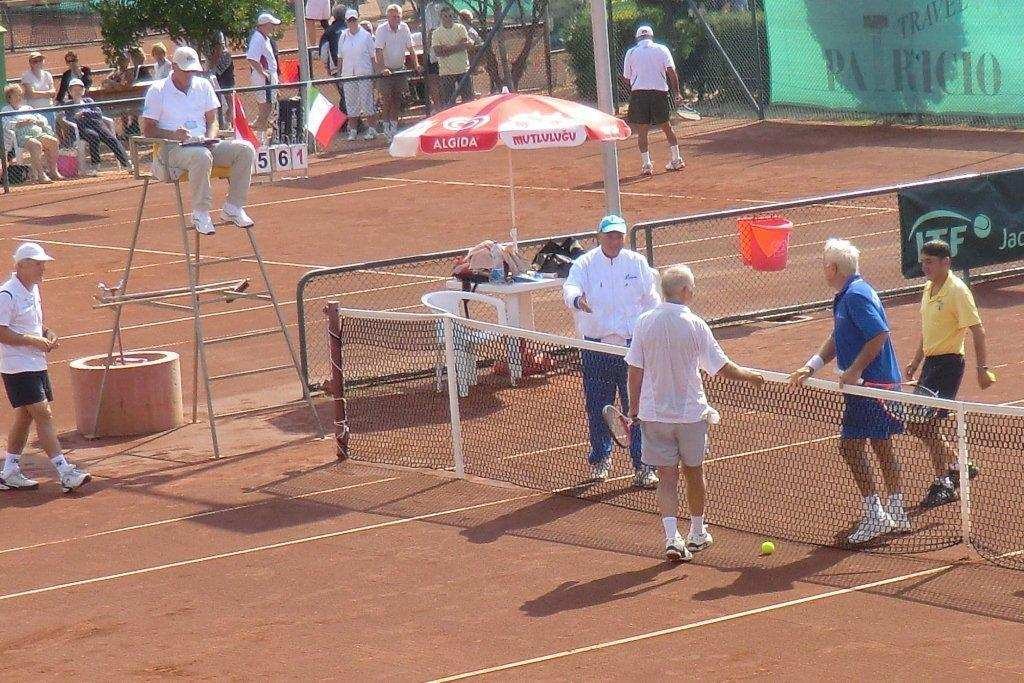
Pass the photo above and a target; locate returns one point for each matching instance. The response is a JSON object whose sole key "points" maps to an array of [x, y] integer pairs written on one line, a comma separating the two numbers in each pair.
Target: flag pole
{"points": [[305, 73]]}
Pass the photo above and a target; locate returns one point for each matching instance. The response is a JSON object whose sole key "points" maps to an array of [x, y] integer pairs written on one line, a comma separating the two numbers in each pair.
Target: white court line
{"points": [[257, 549], [197, 515], [697, 624]]}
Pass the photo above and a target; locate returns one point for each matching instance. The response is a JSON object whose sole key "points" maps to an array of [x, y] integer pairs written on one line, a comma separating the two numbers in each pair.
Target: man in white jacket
{"points": [[608, 288]]}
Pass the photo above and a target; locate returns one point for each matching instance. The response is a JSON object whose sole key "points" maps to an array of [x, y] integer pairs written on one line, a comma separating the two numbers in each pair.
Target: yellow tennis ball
{"points": [[767, 548], [991, 375]]}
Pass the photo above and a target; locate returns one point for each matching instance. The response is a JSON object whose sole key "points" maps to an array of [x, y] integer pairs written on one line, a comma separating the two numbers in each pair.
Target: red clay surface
{"points": [[525, 574]]}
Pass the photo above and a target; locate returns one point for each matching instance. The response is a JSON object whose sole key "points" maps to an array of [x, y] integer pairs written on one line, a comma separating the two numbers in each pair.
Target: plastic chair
{"points": [[452, 302]]}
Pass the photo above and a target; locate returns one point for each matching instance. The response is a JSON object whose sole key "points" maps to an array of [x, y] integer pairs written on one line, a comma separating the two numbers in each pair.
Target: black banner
{"points": [[982, 220]]}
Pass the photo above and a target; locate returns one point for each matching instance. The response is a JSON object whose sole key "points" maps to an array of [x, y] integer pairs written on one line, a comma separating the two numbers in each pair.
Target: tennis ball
{"points": [[767, 548], [991, 375]]}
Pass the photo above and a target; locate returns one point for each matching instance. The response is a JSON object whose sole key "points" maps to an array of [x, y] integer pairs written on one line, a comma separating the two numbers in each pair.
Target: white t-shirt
{"points": [[21, 310], [173, 109], [672, 345], [618, 290], [394, 44], [355, 52], [261, 51], [645, 65], [43, 82]]}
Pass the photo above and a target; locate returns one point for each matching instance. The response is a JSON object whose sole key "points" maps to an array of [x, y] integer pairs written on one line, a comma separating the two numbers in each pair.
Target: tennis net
{"points": [[509, 405]]}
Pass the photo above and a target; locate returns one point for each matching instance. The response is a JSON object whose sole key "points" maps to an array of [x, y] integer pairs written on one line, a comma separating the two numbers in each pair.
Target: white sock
{"points": [[645, 157], [896, 501], [60, 462], [671, 525], [697, 524], [675, 152], [872, 505], [12, 463]]}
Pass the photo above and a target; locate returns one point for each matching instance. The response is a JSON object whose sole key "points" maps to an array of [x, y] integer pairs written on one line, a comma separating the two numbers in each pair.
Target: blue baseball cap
{"points": [[612, 223]]}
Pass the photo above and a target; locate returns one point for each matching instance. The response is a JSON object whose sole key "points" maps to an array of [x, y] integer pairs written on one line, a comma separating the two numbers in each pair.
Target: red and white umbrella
{"points": [[518, 121]]}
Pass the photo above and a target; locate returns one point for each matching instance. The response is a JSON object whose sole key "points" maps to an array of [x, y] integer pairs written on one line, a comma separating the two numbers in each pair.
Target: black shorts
{"points": [[650, 107], [941, 376], [27, 388], [433, 67]]}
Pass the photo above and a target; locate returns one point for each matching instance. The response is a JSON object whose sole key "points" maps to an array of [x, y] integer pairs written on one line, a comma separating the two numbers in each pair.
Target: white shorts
{"points": [[318, 10], [359, 98], [256, 78], [664, 444]]}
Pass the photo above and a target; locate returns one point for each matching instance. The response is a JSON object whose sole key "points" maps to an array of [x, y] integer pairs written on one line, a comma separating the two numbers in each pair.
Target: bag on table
{"points": [[557, 256]]}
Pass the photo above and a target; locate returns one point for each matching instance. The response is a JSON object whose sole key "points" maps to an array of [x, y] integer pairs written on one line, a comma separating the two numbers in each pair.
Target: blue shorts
{"points": [[865, 418]]}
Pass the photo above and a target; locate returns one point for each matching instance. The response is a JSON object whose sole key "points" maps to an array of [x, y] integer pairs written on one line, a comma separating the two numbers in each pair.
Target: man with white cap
{"points": [[355, 58], [263, 66], [24, 343], [649, 71], [183, 108], [608, 288]]}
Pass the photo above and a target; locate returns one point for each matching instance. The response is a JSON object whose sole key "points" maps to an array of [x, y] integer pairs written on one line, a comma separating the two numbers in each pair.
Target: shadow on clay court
{"points": [[573, 595]]}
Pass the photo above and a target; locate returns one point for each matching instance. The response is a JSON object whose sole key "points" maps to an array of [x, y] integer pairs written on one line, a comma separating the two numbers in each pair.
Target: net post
{"points": [[452, 370], [965, 474], [336, 384]]}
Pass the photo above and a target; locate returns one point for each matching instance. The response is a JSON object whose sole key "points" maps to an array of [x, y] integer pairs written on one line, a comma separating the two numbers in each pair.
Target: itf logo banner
{"points": [[982, 220]]}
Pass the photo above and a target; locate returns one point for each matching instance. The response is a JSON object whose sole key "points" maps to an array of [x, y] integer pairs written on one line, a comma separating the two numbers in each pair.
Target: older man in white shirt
{"points": [[24, 343], [263, 67], [183, 108], [355, 58], [671, 345], [393, 42], [608, 288]]}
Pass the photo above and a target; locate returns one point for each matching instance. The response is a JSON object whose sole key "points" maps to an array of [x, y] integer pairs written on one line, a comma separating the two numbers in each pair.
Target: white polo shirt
{"points": [[393, 44], [672, 345], [21, 310], [260, 50], [618, 290], [172, 109], [355, 52], [43, 82], [645, 65]]}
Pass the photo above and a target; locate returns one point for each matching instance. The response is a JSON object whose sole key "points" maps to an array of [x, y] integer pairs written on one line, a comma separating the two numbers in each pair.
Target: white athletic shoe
{"points": [[699, 541], [351, 133], [370, 133], [238, 216], [675, 164], [17, 481], [203, 223], [599, 472], [676, 550], [899, 518], [647, 169], [875, 524], [645, 478], [72, 477]]}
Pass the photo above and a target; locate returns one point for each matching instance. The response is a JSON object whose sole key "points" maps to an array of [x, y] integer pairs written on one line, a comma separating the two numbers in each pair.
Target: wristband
{"points": [[576, 302], [815, 363]]}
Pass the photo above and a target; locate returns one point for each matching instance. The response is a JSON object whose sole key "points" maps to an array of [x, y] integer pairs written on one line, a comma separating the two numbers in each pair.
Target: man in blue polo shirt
{"points": [[863, 350]]}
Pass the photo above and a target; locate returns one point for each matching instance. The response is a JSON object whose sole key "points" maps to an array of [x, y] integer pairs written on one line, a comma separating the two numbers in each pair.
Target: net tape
{"points": [[773, 468]]}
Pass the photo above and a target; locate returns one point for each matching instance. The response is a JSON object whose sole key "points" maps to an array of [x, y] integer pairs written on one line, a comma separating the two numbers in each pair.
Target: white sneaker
{"points": [[676, 550], [599, 472], [699, 541], [872, 526], [17, 481], [238, 216], [899, 518], [203, 223], [675, 164], [647, 169], [72, 477], [351, 134], [645, 478], [370, 133]]}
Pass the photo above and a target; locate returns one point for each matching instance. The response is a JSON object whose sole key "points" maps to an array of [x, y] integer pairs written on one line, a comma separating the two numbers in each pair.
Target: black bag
{"points": [[290, 127], [557, 256]]}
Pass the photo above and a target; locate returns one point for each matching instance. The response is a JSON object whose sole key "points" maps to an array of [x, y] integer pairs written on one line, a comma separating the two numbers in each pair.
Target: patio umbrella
{"points": [[518, 121]]}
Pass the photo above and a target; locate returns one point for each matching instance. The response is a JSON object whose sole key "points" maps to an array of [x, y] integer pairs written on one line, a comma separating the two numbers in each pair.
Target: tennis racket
{"points": [[619, 425], [684, 112], [905, 412]]}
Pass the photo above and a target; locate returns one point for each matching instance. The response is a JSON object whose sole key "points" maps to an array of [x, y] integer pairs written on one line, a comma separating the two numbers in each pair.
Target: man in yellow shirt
{"points": [[450, 43], [947, 312]]}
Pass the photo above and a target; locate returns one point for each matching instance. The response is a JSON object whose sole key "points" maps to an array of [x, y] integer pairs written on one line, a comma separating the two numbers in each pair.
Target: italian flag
{"points": [[324, 118]]}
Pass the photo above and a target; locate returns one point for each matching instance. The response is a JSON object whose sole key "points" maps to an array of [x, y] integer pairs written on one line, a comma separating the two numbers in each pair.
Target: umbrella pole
{"points": [[511, 189]]}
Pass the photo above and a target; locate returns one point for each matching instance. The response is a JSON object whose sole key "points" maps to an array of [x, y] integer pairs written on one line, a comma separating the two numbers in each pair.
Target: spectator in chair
{"points": [[184, 108], [355, 58], [262, 58], [93, 127], [37, 84], [393, 42], [32, 132], [74, 70]]}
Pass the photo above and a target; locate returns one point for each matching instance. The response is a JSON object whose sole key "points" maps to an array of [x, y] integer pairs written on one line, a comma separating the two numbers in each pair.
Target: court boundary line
{"points": [[696, 624]]}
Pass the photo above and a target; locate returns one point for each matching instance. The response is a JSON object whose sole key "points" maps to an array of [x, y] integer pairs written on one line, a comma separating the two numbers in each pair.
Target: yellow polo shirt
{"points": [[946, 315]]}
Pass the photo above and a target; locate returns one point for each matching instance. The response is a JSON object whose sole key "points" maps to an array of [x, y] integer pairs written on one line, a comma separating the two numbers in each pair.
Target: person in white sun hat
{"points": [[184, 109], [24, 343], [649, 71]]}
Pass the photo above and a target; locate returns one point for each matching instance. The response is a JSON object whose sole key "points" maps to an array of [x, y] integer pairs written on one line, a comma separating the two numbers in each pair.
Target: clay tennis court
{"points": [[278, 559]]}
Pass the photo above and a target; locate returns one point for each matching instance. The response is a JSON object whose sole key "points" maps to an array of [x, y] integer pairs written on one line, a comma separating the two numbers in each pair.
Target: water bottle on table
{"points": [[497, 264]]}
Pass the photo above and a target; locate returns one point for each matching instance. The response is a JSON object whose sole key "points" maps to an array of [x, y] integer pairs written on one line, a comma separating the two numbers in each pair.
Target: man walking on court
{"points": [[608, 288], [947, 312], [24, 343], [649, 71], [671, 345], [864, 352]]}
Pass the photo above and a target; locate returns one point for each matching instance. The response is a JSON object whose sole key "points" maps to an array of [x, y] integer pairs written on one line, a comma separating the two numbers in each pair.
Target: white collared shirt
{"points": [[672, 344], [393, 44], [355, 53], [173, 109], [21, 311], [261, 51], [645, 65], [618, 290], [44, 81]]}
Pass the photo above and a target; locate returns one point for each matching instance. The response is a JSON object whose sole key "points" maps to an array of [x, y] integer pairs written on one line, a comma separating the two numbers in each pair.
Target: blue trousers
{"points": [[604, 375]]}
